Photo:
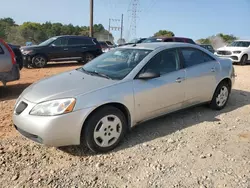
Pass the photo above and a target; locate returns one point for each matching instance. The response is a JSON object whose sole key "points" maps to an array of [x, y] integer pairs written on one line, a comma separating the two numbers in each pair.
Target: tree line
{"points": [[39, 32]]}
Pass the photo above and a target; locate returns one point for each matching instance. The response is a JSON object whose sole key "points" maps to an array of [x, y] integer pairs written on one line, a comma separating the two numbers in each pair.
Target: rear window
{"points": [[109, 43], [179, 40], [169, 40], [190, 41], [80, 41], [103, 44]]}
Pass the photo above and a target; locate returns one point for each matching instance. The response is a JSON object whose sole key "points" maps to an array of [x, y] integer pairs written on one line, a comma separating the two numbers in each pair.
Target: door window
{"points": [[60, 42], [164, 62], [194, 57]]}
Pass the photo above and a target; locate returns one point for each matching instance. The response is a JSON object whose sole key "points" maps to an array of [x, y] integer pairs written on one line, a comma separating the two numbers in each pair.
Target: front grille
{"points": [[21, 107], [224, 52]]}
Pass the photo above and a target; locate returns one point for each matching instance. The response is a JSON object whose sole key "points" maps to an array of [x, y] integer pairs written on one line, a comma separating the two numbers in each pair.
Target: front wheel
{"points": [[39, 61], [243, 60], [104, 129], [220, 97]]}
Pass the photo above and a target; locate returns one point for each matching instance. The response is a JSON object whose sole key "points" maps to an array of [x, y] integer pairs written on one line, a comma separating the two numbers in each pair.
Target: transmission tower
{"points": [[134, 11]]}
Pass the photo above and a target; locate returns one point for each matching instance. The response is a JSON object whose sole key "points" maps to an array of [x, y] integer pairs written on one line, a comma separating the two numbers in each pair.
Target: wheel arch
{"points": [[117, 105], [227, 80]]}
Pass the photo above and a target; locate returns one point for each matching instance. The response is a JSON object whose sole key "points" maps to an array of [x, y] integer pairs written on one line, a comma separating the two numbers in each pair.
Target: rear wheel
{"points": [[104, 129], [39, 61], [221, 96], [88, 57], [243, 60]]}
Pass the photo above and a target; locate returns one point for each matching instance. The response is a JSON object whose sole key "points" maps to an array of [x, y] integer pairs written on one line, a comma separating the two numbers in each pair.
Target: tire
{"points": [[39, 61], [220, 97], [101, 137], [88, 57], [243, 60]]}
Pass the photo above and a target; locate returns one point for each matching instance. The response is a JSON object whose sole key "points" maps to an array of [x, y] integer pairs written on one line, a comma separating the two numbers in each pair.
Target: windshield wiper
{"points": [[95, 73], [99, 74]]}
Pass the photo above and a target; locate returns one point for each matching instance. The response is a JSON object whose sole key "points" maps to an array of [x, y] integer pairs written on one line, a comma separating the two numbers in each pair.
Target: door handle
{"points": [[84, 47], [65, 49], [212, 69], [179, 80]]}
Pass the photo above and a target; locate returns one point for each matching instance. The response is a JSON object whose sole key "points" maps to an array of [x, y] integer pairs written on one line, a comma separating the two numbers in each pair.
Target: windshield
{"points": [[116, 64], [240, 44], [45, 43], [152, 40]]}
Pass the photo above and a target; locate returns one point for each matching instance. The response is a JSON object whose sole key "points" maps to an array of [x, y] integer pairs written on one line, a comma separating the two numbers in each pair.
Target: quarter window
{"points": [[194, 57], [164, 62]]}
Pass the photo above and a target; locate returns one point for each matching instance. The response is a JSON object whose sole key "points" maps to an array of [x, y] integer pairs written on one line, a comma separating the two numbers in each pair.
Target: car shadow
{"points": [[12, 91], [170, 123]]}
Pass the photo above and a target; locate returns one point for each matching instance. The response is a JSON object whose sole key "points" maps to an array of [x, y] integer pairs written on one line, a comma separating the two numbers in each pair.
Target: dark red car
{"points": [[169, 39]]}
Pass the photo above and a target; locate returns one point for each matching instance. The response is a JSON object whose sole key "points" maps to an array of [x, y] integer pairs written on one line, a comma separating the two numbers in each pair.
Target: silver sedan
{"points": [[97, 103]]}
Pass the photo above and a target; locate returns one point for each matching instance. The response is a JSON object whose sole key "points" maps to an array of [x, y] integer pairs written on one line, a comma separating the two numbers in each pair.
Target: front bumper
{"points": [[27, 60], [61, 130], [233, 57]]}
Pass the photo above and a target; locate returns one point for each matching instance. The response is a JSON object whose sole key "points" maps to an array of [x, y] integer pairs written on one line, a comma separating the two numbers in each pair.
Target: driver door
{"points": [[58, 49], [158, 96]]}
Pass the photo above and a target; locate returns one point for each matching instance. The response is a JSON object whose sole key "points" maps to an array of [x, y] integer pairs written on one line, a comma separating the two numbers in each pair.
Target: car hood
{"points": [[231, 48], [67, 84], [25, 48]]}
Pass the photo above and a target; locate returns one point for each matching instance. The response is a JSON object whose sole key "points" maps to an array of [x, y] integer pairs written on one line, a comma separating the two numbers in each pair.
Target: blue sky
{"points": [[190, 18]]}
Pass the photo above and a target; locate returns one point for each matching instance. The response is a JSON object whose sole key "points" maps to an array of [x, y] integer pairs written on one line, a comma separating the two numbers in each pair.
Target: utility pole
{"points": [[121, 26], [116, 28], [91, 18]]}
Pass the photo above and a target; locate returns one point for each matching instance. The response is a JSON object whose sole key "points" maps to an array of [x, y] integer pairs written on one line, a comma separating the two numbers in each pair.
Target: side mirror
{"points": [[148, 75], [52, 45]]}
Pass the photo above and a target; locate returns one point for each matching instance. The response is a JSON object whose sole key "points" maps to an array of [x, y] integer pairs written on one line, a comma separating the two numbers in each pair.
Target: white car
{"points": [[238, 51]]}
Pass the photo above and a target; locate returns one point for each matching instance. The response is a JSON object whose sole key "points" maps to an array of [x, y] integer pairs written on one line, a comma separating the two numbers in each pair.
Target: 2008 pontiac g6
{"points": [[97, 103]]}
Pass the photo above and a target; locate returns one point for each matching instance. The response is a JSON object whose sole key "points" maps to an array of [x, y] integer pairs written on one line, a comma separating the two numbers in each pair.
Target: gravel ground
{"points": [[197, 147]]}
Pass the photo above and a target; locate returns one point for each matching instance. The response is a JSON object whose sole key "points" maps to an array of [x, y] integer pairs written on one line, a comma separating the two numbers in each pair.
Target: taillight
{"points": [[12, 54]]}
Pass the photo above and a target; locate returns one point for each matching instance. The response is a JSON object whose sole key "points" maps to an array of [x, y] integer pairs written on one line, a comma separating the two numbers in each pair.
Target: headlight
{"points": [[54, 107], [236, 52]]}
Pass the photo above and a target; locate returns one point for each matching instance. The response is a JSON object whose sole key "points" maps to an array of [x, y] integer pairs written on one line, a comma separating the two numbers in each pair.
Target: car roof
{"points": [[243, 40], [170, 37], [74, 36], [155, 45]]}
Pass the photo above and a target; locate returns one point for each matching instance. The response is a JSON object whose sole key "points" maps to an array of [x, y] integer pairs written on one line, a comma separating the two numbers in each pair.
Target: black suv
{"points": [[61, 48]]}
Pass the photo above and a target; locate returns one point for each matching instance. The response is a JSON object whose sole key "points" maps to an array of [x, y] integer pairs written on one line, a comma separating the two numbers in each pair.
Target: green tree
{"points": [[164, 33]]}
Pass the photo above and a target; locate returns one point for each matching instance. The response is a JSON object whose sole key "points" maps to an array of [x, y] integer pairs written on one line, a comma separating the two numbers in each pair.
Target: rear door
{"points": [[200, 80], [5, 59], [80, 45]]}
